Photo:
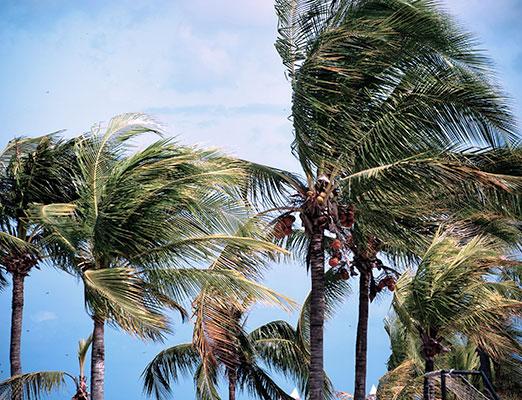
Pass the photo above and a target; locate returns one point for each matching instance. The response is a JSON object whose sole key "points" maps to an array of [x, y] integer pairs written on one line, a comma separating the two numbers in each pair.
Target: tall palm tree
{"points": [[487, 201], [452, 292], [139, 219], [36, 385], [384, 94], [32, 170]]}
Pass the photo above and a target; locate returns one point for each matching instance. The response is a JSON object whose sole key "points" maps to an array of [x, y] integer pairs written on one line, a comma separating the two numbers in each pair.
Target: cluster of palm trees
{"points": [[410, 162], [456, 311]]}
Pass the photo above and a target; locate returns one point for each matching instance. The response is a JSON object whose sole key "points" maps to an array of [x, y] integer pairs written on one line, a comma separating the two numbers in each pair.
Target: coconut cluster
{"points": [[284, 226], [339, 262]]}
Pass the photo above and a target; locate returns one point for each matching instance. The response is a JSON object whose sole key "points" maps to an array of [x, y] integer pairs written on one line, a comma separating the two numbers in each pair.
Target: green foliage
{"points": [[461, 297], [32, 386], [142, 218]]}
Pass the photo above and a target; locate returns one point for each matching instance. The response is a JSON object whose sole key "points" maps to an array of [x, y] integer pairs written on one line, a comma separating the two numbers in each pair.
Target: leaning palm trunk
{"points": [[98, 359], [362, 335], [317, 316]]}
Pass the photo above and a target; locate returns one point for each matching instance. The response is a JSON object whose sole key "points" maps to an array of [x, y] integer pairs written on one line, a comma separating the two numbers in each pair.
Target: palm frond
{"points": [[33, 386], [167, 367], [83, 348], [120, 295], [257, 382]]}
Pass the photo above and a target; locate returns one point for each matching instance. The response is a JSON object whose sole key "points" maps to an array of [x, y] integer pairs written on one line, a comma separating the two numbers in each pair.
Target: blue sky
{"points": [[208, 70]]}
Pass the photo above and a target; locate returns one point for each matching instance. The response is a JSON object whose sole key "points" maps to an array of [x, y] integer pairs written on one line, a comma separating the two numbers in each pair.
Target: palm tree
{"points": [[139, 219], [220, 343], [36, 385], [221, 346], [404, 379], [274, 343], [32, 170], [452, 292], [386, 93]]}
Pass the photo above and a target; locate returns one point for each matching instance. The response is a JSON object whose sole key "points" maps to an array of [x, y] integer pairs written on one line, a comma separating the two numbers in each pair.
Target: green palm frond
{"points": [[257, 382], [278, 346], [83, 348], [120, 294], [267, 187], [181, 283], [33, 386], [167, 367], [396, 78], [11, 243], [206, 381]]}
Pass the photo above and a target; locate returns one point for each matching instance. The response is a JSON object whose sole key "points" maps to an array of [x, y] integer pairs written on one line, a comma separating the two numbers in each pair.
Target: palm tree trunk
{"points": [[429, 390], [317, 316], [485, 368], [17, 307], [361, 344], [98, 359], [232, 377], [485, 364]]}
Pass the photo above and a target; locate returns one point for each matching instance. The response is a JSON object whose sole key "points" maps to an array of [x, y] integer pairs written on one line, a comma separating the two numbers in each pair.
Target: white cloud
{"points": [[43, 316], [89, 66]]}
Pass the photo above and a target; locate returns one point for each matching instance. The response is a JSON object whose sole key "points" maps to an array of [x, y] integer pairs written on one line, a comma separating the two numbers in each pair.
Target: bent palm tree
{"points": [[32, 170], [220, 344], [137, 219], [268, 344], [36, 385], [452, 293], [384, 94]]}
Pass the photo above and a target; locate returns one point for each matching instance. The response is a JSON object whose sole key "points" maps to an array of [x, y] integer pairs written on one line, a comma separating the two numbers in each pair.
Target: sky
{"points": [[208, 70]]}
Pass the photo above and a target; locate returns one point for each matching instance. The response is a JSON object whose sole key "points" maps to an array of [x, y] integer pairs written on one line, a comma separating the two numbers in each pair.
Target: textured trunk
{"points": [[98, 359], [429, 390], [485, 368], [317, 317], [16, 323], [232, 377], [485, 364], [17, 308], [362, 335]]}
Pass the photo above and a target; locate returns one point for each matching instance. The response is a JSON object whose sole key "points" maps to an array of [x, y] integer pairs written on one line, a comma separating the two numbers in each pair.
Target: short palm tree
{"points": [[32, 171], [36, 385], [139, 218], [386, 96], [221, 345], [454, 292], [274, 344], [404, 379]]}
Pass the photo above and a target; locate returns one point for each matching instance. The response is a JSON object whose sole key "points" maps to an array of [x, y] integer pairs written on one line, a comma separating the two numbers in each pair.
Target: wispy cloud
{"points": [[195, 66], [43, 316]]}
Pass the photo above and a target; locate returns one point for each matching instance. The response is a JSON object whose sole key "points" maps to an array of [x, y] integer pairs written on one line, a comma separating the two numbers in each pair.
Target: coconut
{"points": [[336, 244], [333, 262], [288, 220]]}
